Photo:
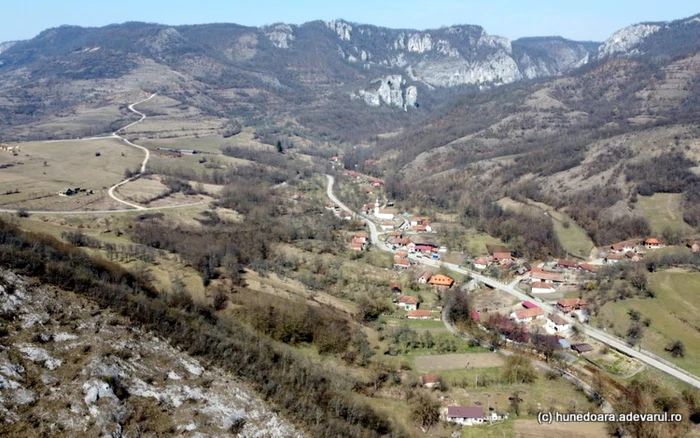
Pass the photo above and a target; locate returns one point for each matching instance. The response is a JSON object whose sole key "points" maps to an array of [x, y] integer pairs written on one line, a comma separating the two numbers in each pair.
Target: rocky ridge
{"points": [[68, 367]]}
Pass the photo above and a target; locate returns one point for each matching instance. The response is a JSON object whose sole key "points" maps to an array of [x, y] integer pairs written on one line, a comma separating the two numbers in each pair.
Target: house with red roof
{"points": [[527, 315], [402, 263], [407, 302], [588, 268], [419, 314], [481, 263], [567, 305], [623, 247], [502, 257], [567, 264], [541, 287], [431, 380], [540, 275], [557, 325], [424, 278]]}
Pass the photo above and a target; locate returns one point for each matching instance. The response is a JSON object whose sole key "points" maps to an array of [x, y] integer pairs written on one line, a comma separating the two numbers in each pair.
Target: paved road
{"points": [[594, 333]]}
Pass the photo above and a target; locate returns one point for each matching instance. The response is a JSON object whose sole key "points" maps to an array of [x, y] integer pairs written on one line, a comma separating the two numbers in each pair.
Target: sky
{"points": [[592, 20]]}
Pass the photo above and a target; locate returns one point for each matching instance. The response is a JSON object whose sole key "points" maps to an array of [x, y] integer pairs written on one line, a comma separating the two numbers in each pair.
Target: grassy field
{"points": [[663, 210], [43, 169], [476, 244], [573, 238], [674, 314]]}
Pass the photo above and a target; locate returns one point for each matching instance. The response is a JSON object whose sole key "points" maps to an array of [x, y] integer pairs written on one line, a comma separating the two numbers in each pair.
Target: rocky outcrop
{"points": [[625, 41], [419, 43], [86, 372], [280, 35], [392, 91], [343, 29]]}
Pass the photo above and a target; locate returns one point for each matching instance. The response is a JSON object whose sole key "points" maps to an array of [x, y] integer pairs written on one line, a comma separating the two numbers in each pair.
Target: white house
{"points": [[540, 287], [557, 325], [481, 263], [383, 214], [387, 225], [527, 315], [465, 415], [407, 302]]}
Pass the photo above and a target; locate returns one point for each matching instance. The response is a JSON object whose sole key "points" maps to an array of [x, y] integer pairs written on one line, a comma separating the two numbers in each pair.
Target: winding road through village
{"points": [[592, 332]]}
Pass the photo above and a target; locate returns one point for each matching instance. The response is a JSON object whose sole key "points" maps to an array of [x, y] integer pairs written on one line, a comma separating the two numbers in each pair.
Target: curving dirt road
{"points": [[110, 192]]}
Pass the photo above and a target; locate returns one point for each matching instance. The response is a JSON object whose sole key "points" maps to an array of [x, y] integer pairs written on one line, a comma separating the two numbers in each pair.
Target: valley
{"points": [[336, 229]]}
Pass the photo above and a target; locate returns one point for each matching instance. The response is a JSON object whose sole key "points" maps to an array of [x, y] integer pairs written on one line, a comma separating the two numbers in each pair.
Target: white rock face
{"points": [[411, 96], [445, 48], [280, 35], [625, 40], [344, 30], [498, 68], [419, 43], [391, 92], [495, 42]]}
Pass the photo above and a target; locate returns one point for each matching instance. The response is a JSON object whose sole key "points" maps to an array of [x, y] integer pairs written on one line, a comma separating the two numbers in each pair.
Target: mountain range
{"points": [[321, 72]]}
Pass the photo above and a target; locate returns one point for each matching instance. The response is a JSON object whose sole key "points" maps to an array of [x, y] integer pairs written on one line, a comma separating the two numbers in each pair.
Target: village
{"points": [[418, 291]]}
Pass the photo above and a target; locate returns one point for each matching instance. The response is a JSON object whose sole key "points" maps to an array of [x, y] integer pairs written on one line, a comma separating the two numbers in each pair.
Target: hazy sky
{"points": [[580, 20]]}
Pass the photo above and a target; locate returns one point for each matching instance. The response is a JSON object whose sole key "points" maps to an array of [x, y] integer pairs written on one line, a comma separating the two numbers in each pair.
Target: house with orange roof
{"points": [[441, 281], [402, 263], [652, 243]]}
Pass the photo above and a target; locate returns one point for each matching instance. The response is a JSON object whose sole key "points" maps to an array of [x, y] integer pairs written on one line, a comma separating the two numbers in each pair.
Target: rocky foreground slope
{"points": [[70, 368]]}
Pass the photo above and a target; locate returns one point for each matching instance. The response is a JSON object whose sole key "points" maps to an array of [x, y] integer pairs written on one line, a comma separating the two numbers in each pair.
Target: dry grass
{"points": [[663, 210], [68, 164], [442, 362], [531, 428]]}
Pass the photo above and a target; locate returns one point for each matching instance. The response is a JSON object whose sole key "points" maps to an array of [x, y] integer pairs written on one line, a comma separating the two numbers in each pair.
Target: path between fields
{"points": [[115, 134], [599, 335], [145, 160]]}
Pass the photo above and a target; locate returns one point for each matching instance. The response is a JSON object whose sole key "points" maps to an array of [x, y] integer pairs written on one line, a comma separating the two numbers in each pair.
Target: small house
{"points": [[588, 268], [481, 263], [567, 264], [623, 247], [387, 225], [466, 416], [424, 278], [540, 275], [557, 325], [407, 302], [694, 246], [402, 263], [652, 243], [541, 287], [567, 305], [395, 288], [502, 257], [527, 315], [431, 380], [582, 348], [419, 314]]}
